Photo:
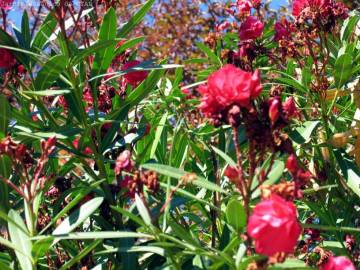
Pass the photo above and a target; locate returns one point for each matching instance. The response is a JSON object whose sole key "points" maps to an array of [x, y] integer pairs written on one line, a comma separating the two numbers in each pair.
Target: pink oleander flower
{"points": [[274, 226], [123, 162], [7, 59], [251, 29], [134, 78], [243, 6], [338, 263], [229, 86], [299, 5], [283, 30], [6, 4]]}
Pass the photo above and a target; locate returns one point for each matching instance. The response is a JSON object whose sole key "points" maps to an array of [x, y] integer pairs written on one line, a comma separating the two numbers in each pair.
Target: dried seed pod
{"points": [[339, 140]]}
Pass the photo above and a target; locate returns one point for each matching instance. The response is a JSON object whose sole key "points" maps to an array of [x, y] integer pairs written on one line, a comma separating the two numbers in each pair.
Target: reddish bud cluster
{"points": [[17, 152], [134, 183], [285, 110], [7, 59]]}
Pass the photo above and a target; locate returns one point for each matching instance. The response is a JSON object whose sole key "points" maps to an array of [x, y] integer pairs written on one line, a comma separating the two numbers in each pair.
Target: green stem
{"points": [[331, 228]]}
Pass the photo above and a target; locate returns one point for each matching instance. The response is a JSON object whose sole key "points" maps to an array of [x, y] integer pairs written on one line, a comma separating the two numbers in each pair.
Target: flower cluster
{"points": [[318, 14], [32, 178], [134, 181], [228, 89]]}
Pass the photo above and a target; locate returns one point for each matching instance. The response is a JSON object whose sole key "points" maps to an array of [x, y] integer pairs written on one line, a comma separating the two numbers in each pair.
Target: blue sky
{"points": [[16, 13]]}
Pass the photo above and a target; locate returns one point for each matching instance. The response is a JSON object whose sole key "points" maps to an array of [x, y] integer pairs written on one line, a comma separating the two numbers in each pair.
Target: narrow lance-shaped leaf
{"points": [[21, 240], [50, 72], [78, 216], [104, 56], [178, 174], [343, 68]]}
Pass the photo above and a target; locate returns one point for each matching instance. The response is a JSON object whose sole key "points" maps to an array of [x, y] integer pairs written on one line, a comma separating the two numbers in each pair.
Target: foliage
{"points": [[111, 160]]}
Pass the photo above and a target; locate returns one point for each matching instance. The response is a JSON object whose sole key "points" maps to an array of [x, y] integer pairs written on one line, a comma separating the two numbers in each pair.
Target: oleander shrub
{"points": [[112, 160]]}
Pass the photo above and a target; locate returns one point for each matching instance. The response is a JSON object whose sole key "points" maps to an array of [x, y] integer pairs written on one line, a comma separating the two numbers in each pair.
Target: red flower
{"points": [[7, 59], [123, 162], [338, 263], [299, 5], [243, 6], [252, 28], [229, 86], [283, 30], [6, 4], [274, 226], [134, 78], [231, 172]]}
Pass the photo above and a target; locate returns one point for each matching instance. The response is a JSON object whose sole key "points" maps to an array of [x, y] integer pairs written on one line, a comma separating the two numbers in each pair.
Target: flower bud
{"points": [[274, 112], [289, 107], [292, 164]]}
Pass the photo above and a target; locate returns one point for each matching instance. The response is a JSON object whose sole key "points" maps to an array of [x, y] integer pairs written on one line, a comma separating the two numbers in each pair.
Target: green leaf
{"points": [[50, 72], [25, 30], [209, 53], [143, 211], [73, 203], [129, 214], [5, 171], [104, 56], [348, 27], [43, 35], [137, 95], [349, 170], [303, 133], [236, 215], [4, 116], [47, 93], [88, 248], [129, 44], [135, 20], [21, 240], [159, 130], [78, 216], [178, 174], [95, 235], [224, 156], [40, 247], [290, 81], [100, 45], [343, 69]]}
